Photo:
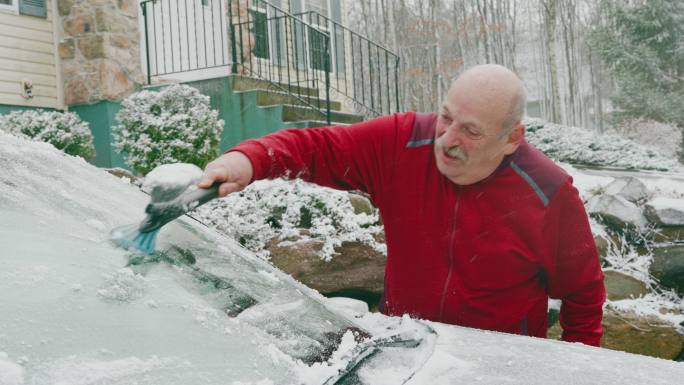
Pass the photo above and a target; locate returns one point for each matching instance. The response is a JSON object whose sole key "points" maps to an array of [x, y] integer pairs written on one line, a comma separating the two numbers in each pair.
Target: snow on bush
{"points": [[666, 138], [280, 208], [64, 130], [581, 146], [174, 125]]}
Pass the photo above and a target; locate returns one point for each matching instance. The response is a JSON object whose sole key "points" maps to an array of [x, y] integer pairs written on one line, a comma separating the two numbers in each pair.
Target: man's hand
{"points": [[233, 169]]}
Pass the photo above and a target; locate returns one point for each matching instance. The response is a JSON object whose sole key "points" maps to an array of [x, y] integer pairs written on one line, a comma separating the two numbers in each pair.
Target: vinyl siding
{"points": [[28, 51]]}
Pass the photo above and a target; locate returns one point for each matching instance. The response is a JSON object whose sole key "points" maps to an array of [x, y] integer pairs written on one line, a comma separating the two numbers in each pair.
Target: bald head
{"points": [[496, 89]]}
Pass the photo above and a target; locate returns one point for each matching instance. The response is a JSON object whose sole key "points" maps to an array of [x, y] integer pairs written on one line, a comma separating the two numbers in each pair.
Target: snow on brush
{"points": [[172, 175]]}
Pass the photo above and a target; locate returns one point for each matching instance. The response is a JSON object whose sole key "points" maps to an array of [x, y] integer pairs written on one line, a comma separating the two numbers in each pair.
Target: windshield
{"points": [[78, 310]]}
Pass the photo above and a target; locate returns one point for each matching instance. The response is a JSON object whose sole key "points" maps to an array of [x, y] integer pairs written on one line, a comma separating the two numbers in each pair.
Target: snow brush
{"points": [[160, 211]]}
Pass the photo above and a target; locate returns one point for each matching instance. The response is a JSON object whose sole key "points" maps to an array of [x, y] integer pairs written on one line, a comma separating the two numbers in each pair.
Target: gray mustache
{"points": [[453, 151]]}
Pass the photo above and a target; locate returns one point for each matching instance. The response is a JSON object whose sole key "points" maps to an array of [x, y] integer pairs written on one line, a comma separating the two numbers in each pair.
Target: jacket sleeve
{"points": [[575, 275], [342, 157]]}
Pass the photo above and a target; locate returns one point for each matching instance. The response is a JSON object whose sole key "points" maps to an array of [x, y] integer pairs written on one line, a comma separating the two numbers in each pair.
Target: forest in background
{"points": [[603, 65]]}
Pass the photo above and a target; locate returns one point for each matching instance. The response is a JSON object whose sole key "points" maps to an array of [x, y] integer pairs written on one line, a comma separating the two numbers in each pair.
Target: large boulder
{"points": [[665, 211], [649, 336], [669, 235], [630, 188], [668, 267], [629, 332], [361, 204], [617, 213], [621, 286], [358, 270]]}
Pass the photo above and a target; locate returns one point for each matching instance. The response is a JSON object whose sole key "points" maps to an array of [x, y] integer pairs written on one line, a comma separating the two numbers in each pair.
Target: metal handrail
{"points": [[305, 55], [272, 44], [374, 91]]}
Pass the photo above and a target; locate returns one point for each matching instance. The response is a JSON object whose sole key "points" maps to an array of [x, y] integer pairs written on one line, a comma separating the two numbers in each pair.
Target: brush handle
{"points": [[161, 213], [200, 196]]}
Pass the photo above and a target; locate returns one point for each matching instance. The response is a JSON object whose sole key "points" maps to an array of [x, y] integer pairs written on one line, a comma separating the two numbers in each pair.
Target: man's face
{"points": [[469, 140]]}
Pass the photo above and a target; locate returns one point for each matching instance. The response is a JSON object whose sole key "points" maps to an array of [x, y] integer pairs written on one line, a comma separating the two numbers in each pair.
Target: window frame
{"points": [[11, 8]]}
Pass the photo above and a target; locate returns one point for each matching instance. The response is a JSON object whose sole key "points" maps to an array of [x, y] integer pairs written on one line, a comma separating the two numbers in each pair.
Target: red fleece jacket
{"points": [[486, 255]]}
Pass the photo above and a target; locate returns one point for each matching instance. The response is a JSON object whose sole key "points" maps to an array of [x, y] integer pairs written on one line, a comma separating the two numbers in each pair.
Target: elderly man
{"points": [[481, 227]]}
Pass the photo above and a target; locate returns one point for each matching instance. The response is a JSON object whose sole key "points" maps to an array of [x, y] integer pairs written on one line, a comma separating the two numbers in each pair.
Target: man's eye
{"points": [[446, 118], [472, 131]]}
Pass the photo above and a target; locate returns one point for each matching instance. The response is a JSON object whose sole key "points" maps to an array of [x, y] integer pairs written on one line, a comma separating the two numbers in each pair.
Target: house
{"points": [[265, 64], [29, 63]]}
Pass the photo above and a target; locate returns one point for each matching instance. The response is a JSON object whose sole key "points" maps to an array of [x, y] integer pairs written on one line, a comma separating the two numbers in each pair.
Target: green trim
{"points": [[101, 117], [7, 108], [531, 182]]}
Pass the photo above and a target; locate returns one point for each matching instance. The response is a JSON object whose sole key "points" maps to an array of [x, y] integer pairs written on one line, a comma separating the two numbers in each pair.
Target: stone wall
{"points": [[100, 49]]}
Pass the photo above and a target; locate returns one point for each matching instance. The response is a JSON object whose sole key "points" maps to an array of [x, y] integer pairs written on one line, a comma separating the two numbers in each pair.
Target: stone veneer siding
{"points": [[100, 49]]}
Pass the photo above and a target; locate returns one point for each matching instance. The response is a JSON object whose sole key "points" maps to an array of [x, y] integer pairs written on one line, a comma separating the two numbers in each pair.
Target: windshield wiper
{"points": [[366, 350]]}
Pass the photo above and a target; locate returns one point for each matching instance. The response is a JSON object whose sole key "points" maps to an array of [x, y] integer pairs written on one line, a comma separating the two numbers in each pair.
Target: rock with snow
{"points": [[629, 188], [647, 335], [620, 286], [668, 267], [169, 180], [669, 235], [357, 269], [617, 213], [361, 204], [633, 333], [665, 211]]}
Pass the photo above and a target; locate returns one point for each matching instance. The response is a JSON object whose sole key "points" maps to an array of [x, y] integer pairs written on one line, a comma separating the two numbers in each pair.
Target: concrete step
{"points": [[293, 113], [312, 123], [244, 83], [269, 98]]}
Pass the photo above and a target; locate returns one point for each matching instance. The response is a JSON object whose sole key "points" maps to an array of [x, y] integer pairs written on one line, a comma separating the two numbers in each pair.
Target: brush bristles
{"points": [[129, 237]]}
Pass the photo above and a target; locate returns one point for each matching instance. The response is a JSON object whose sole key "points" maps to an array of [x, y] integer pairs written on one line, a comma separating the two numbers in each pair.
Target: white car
{"points": [[75, 309]]}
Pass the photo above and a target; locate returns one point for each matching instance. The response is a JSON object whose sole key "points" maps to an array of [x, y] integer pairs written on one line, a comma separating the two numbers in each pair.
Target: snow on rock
{"points": [[11, 373], [123, 286], [168, 180], [665, 211], [629, 188], [617, 211]]}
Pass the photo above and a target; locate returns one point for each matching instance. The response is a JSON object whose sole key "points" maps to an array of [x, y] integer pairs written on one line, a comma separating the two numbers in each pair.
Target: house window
{"points": [[260, 31], [11, 6], [317, 40]]}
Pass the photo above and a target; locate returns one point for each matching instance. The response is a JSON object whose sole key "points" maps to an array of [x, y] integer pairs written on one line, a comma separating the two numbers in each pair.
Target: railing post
{"points": [[147, 43], [233, 43], [327, 78], [396, 82]]}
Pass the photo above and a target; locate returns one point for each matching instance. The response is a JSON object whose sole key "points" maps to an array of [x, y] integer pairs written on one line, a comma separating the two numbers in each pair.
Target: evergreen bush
{"points": [[174, 125], [64, 130]]}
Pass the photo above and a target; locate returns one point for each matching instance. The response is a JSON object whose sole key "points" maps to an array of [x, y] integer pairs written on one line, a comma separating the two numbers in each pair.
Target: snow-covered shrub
{"points": [[279, 209], [65, 131], [582, 146], [174, 125], [666, 138]]}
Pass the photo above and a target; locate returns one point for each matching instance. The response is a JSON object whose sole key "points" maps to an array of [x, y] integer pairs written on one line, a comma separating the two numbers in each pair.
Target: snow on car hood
{"points": [[73, 312]]}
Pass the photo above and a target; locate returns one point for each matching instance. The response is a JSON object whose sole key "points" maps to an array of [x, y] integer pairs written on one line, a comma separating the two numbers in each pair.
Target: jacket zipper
{"points": [[451, 255]]}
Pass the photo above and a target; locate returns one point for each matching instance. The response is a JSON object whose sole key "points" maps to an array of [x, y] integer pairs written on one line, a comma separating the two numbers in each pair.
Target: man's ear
{"points": [[517, 134], [515, 138]]}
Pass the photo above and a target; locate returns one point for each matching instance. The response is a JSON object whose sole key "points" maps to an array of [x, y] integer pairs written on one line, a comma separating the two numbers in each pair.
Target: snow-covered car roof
{"points": [[210, 312]]}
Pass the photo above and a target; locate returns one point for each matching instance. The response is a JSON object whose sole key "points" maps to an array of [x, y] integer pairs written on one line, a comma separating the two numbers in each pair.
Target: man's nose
{"points": [[452, 135]]}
